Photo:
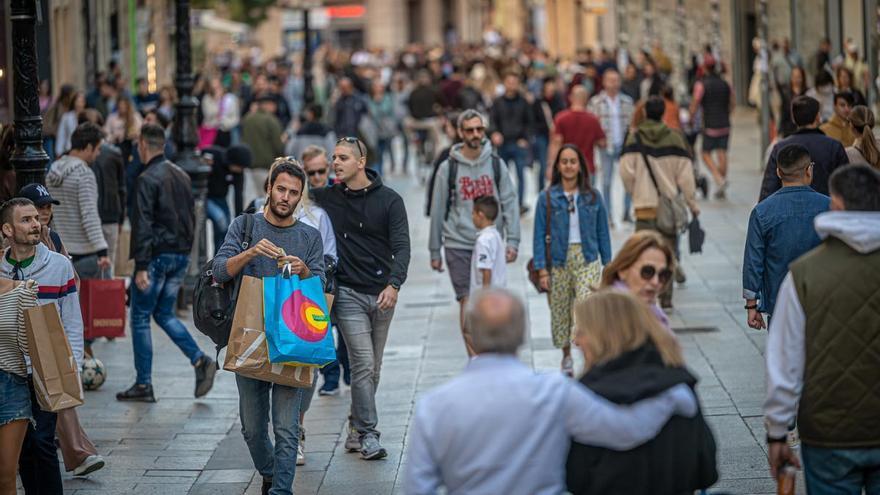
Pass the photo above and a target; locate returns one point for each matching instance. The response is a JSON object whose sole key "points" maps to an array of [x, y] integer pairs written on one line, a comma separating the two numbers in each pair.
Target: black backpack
{"points": [[214, 303], [452, 177]]}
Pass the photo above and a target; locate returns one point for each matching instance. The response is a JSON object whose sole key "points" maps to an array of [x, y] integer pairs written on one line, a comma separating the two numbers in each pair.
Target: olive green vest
{"points": [[839, 290]]}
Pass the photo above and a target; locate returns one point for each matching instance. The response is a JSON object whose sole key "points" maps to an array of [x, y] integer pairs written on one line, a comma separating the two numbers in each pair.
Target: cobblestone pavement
{"points": [[182, 445]]}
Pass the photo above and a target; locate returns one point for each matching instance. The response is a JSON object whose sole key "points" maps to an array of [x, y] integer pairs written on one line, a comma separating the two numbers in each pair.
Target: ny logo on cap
{"points": [[42, 190]]}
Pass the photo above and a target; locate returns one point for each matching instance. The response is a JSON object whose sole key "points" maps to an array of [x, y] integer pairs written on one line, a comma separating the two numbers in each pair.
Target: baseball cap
{"points": [[38, 194]]}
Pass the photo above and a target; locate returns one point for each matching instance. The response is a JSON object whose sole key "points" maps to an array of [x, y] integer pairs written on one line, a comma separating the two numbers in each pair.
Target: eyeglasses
{"points": [[571, 207], [473, 130], [320, 171], [355, 141], [649, 271]]}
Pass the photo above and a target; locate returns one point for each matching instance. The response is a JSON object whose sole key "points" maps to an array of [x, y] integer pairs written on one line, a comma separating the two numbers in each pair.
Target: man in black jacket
{"points": [[161, 239], [827, 154], [372, 240], [511, 129]]}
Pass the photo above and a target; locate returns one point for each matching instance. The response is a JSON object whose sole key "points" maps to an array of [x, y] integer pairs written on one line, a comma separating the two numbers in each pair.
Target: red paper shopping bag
{"points": [[103, 308]]}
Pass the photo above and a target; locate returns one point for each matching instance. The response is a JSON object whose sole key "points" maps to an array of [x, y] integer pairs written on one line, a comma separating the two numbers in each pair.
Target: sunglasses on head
{"points": [[355, 141], [649, 271], [320, 171]]}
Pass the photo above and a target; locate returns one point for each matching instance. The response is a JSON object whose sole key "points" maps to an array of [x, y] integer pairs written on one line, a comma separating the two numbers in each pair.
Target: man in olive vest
{"points": [[824, 343]]}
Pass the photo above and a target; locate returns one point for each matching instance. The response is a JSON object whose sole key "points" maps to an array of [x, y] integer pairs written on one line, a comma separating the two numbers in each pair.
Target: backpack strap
{"points": [[496, 171], [245, 244], [451, 177]]}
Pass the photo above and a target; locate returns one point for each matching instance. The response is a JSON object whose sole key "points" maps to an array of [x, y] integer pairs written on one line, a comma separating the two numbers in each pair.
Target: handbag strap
{"points": [[547, 237]]}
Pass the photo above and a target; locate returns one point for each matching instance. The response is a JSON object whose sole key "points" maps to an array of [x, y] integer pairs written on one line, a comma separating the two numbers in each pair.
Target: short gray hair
{"points": [[468, 115], [502, 329]]}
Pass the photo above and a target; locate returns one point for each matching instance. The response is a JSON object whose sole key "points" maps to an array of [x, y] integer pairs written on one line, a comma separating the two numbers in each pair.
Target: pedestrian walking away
{"points": [[570, 264], [471, 170], [656, 162], [780, 231], [278, 239], [714, 96], [162, 233], [826, 307], [450, 447], [27, 258], [826, 153], [372, 239], [865, 149]]}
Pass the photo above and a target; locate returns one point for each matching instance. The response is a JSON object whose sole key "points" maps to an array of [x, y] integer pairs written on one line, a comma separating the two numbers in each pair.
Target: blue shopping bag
{"points": [[297, 321]]}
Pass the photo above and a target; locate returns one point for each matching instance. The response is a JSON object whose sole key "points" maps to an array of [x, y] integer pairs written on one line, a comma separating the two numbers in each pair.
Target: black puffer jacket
{"points": [[164, 212], [679, 460], [109, 169]]}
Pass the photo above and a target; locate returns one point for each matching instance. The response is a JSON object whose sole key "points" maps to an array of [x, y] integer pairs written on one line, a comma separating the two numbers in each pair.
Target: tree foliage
{"points": [[250, 12]]}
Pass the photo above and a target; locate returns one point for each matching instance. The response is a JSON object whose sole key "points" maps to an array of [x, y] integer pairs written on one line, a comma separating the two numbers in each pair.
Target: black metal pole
{"points": [[186, 139], [29, 159], [308, 90]]}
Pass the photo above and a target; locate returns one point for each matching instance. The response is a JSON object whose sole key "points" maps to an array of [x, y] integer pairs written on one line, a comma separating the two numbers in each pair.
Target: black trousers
{"points": [[38, 463]]}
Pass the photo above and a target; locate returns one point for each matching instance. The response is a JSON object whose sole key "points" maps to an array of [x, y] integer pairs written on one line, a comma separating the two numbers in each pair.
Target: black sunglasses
{"points": [[355, 141], [320, 171], [571, 207], [648, 271]]}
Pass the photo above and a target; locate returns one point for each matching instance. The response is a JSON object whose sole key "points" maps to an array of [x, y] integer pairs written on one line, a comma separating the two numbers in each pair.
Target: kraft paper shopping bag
{"points": [[56, 377]]}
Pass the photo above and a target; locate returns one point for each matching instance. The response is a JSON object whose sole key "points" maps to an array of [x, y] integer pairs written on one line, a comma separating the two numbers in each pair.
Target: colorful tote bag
{"points": [[297, 320]]}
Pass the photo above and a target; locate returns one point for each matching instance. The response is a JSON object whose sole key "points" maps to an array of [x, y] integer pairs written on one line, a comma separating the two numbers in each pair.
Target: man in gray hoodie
{"points": [[478, 172]]}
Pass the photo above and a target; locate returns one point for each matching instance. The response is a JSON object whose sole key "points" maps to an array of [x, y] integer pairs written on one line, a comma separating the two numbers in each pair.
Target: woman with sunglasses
{"points": [[577, 235], [630, 357], [642, 267]]}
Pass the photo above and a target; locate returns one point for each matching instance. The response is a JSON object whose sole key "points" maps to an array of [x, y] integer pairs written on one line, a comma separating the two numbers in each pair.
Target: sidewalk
{"points": [[183, 445]]}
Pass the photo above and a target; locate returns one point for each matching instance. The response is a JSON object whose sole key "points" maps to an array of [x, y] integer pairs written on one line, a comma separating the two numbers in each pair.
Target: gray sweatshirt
{"points": [[298, 240], [73, 184], [475, 178]]}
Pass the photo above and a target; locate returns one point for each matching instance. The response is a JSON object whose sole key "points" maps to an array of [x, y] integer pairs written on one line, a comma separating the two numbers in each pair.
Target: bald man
{"points": [[501, 428], [578, 127]]}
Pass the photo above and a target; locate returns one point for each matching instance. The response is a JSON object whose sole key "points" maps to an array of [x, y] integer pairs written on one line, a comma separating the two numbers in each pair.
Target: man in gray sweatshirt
{"points": [[478, 172], [277, 238]]}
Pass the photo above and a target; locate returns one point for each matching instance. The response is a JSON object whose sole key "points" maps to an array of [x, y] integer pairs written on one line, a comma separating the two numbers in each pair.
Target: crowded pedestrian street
{"points": [[179, 445]]}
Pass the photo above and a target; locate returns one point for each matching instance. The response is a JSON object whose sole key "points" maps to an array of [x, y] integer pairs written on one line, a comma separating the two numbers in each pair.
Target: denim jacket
{"points": [[780, 231], [593, 220]]}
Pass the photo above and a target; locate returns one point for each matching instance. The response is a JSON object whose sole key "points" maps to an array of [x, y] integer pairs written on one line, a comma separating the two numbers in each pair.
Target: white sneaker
{"points": [[353, 441], [300, 454], [90, 465]]}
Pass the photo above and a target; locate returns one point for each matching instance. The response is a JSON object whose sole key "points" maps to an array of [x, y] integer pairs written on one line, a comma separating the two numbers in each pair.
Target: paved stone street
{"points": [[182, 445]]}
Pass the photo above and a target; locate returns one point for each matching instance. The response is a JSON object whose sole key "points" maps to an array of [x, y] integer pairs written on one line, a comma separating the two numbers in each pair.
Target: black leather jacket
{"points": [[164, 212]]}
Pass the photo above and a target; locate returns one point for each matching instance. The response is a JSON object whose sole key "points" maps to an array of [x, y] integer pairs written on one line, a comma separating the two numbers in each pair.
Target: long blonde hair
{"points": [[862, 120], [613, 322]]}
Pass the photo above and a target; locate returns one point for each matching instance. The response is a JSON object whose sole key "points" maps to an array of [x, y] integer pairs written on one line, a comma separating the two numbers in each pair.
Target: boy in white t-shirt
{"points": [[488, 263]]}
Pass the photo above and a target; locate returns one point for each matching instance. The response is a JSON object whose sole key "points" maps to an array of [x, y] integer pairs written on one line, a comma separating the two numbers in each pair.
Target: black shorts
{"points": [[458, 262], [715, 142]]}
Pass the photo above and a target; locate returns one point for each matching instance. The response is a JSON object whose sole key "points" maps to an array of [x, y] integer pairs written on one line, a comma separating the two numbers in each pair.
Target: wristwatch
{"points": [[751, 306], [776, 440], [394, 285]]}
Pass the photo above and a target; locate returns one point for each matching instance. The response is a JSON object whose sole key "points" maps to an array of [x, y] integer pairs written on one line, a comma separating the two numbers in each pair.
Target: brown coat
{"points": [[839, 130]]}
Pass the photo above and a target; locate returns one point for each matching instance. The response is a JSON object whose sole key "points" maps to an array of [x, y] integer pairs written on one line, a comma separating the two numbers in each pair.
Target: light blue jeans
{"points": [[166, 275], [841, 471], [609, 162], [276, 462]]}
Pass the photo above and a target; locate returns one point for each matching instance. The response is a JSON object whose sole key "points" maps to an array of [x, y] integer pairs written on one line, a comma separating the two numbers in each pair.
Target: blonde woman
{"points": [[864, 149], [630, 357]]}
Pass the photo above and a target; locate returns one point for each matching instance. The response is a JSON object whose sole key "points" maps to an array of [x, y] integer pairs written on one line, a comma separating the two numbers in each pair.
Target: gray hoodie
{"points": [[475, 178], [860, 230], [73, 184]]}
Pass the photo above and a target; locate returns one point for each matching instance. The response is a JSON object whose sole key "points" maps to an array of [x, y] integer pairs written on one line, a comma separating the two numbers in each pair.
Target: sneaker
{"points": [[680, 277], [568, 366], [300, 454], [328, 391], [137, 392], [371, 450], [703, 186], [90, 465], [267, 485], [721, 192], [206, 368], [353, 441]]}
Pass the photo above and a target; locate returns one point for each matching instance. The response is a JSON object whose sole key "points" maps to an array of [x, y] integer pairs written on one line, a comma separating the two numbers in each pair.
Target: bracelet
{"points": [[775, 440], [751, 306]]}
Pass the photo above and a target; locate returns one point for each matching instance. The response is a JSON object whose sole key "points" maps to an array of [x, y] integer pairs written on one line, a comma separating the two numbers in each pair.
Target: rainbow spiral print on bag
{"points": [[298, 329]]}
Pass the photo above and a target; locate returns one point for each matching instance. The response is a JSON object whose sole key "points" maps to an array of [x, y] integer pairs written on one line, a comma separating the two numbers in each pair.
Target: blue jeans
{"points": [[217, 210], [382, 146], [609, 161], [166, 275], [841, 471], [277, 462], [38, 463], [539, 149], [511, 152], [331, 372]]}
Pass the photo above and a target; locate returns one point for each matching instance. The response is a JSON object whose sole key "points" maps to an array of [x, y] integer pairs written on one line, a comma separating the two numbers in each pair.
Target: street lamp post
{"points": [[308, 90], [765, 81], [29, 159], [186, 139]]}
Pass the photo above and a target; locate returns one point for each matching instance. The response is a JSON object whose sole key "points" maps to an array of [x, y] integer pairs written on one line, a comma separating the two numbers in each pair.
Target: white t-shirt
{"points": [[489, 253], [574, 221]]}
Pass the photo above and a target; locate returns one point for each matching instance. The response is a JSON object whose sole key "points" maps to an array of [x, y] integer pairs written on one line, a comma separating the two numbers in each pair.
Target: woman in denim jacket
{"points": [[578, 234]]}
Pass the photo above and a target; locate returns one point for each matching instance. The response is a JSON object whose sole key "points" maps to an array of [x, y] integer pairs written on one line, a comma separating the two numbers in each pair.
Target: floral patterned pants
{"points": [[576, 280]]}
